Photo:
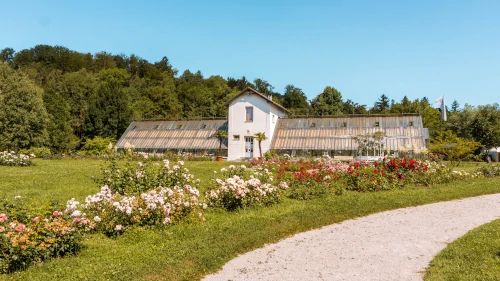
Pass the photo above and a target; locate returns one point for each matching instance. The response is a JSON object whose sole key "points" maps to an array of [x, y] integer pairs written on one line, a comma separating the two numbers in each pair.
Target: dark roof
{"points": [[248, 89], [161, 134]]}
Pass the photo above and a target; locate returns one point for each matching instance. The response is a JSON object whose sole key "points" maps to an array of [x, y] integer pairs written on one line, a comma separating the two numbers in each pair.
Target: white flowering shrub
{"points": [[111, 213], [234, 191], [132, 179], [11, 159]]}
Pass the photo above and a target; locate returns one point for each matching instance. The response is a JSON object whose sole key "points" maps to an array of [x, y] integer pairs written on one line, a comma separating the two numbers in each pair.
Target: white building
{"points": [[251, 112]]}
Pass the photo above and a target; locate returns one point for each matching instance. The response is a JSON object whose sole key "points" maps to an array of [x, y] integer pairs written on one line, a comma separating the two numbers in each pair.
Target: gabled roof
{"points": [[163, 135], [253, 91], [336, 133]]}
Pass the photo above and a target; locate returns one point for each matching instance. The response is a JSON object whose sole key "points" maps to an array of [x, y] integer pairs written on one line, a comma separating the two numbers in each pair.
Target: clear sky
{"points": [[363, 48]]}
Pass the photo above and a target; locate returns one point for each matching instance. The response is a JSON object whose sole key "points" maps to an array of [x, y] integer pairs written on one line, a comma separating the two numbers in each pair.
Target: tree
{"points": [[23, 118], [350, 107], [455, 106], [260, 137], [109, 109], [294, 98], [485, 127], [220, 135], [263, 86], [382, 105], [7, 55], [329, 102], [453, 147]]}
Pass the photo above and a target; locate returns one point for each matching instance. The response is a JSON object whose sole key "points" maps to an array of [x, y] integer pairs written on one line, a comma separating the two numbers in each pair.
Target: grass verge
{"points": [[190, 251], [475, 256]]}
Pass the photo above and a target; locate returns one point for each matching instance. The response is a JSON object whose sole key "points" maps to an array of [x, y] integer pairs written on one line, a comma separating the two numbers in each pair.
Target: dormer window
{"points": [[313, 125], [377, 124], [204, 126], [156, 126], [410, 124], [344, 124], [179, 126], [133, 128]]}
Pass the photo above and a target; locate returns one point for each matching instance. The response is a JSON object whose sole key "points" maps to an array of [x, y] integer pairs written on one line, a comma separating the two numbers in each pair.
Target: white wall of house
{"points": [[265, 117]]}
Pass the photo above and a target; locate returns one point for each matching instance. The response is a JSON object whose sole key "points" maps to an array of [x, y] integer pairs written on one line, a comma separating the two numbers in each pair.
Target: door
{"points": [[248, 147]]}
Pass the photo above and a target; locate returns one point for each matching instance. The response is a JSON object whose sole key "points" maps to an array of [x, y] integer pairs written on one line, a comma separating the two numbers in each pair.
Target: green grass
{"points": [[190, 251], [475, 256]]}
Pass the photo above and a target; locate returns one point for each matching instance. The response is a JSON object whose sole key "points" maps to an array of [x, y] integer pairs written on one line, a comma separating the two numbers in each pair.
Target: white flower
{"points": [[118, 227], [76, 213], [97, 219], [18, 197]]}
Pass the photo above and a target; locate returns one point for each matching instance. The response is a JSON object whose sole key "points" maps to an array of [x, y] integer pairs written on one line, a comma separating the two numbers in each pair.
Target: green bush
{"points": [[490, 170], [98, 146], [40, 152]]}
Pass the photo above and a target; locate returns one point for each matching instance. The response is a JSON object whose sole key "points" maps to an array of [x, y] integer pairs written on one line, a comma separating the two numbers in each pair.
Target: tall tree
{"points": [[455, 106], [263, 86], [294, 98], [485, 127], [7, 55], [329, 102], [109, 109], [382, 104], [23, 118]]}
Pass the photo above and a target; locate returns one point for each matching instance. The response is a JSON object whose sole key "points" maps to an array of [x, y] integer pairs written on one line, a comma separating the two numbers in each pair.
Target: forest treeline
{"points": [[54, 97]]}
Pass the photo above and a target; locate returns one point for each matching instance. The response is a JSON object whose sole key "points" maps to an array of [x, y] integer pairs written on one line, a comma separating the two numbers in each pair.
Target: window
{"points": [[410, 124], [236, 137], [377, 124], [156, 126], [203, 126], [179, 126], [249, 114], [133, 128], [274, 118], [344, 124], [313, 125]]}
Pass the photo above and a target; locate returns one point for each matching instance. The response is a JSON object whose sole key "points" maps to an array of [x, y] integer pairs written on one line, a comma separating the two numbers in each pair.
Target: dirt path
{"points": [[392, 245]]}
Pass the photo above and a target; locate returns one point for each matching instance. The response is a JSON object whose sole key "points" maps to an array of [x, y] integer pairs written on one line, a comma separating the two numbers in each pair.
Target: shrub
{"points": [[235, 192], [11, 159], [490, 170], [111, 213], [22, 244], [137, 178], [42, 152], [98, 146]]}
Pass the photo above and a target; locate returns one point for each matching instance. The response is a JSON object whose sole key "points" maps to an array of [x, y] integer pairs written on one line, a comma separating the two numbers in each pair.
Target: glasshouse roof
{"points": [[174, 135]]}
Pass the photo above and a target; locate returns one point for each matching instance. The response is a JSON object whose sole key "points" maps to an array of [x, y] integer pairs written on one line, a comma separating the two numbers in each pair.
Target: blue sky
{"points": [[362, 48]]}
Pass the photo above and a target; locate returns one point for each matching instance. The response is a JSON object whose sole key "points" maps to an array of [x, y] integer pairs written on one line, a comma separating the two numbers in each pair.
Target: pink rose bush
{"points": [[105, 210], [235, 192]]}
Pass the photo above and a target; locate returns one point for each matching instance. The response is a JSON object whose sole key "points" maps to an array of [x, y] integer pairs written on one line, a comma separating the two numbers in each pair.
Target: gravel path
{"points": [[392, 245]]}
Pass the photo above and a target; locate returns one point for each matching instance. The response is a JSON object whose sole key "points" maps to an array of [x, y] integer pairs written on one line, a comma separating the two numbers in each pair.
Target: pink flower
{"points": [[20, 227], [57, 214], [3, 218], [36, 219], [77, 220]]}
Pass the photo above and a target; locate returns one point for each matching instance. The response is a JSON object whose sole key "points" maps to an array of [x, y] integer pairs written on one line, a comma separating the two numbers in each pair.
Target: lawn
{"points": [[190, 251], [475, 256]]}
